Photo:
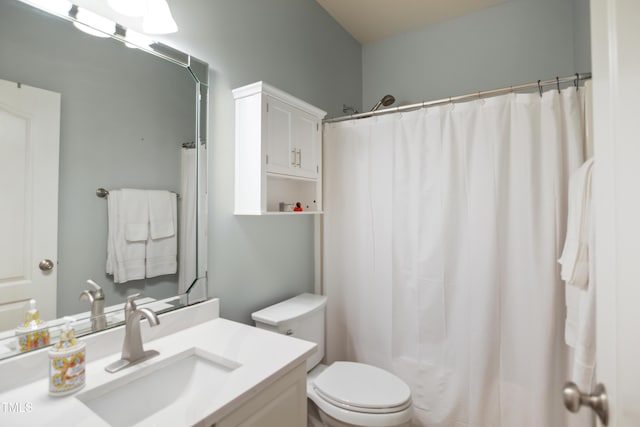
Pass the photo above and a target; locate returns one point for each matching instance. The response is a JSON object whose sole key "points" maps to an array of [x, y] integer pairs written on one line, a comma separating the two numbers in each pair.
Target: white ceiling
{"points": [[372, 20]]}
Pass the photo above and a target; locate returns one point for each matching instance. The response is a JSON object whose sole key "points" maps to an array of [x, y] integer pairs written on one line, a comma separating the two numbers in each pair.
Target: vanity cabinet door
{"points": [[283, 404]]}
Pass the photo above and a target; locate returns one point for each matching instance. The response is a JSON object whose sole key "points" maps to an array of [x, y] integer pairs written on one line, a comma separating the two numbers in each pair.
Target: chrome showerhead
{"points": [[384, 102]]}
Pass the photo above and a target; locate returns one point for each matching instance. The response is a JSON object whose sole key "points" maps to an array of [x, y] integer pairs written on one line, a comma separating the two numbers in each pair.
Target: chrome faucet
{"points": [[132, 350], [95, 297]]}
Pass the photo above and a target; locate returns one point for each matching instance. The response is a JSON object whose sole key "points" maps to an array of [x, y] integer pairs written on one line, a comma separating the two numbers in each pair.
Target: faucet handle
{"points": [[131, 304], [98, 293], [86, 296]]}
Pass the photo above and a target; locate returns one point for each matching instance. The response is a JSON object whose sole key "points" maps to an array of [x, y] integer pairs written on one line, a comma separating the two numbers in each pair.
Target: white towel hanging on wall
{"points": [[135, 213], [142, 236], [161, 214], [162, 246], [125, 258]]}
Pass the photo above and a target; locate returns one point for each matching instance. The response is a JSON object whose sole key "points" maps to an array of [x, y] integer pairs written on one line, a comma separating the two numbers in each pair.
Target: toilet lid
{"points": [[363, 388]]}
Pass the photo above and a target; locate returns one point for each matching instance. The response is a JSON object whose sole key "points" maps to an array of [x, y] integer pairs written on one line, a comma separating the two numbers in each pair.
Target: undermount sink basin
{"points": [[157, 388]]}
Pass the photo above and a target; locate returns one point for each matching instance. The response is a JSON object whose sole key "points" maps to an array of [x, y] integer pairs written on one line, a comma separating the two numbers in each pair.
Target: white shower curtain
{"points": [[192, 171], [442, 230]]}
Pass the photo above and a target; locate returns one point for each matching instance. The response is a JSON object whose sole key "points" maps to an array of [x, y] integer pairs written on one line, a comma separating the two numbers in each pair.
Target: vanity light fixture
{"points": [[60, 7], [135, 8], [156, 15], [134, 40], [158, 19], [92, 23]]}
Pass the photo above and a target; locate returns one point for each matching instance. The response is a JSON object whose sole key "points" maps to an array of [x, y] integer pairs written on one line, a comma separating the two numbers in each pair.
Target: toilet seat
{"points": [[362, 388]]}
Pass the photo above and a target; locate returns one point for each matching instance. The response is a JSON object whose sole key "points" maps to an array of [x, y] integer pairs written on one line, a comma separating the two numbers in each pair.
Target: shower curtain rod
{"points": [[576, 79]]}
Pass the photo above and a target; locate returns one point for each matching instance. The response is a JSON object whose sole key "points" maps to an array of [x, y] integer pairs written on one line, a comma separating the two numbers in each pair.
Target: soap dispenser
{"points": [[33, 333], [66, 362]]}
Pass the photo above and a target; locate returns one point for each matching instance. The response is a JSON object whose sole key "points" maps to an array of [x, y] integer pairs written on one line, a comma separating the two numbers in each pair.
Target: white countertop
{"points": [[264, 356]]}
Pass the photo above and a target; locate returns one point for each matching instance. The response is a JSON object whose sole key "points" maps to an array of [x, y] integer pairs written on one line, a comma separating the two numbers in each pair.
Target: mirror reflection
{"points": [[102, 168]]}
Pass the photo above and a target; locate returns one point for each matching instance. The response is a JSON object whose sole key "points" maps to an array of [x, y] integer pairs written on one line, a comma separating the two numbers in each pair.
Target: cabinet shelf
{"points": [[278, 152]]}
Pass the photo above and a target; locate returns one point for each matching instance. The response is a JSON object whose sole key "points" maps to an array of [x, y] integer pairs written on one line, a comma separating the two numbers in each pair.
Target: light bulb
{"points": [[158, 19], [134, 39], [93, 24], [129, 7], [61, 7]]}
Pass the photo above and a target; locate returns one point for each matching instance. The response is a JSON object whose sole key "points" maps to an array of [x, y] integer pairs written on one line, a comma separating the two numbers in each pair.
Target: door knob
{"points": [[597, 401], [46, 265]]}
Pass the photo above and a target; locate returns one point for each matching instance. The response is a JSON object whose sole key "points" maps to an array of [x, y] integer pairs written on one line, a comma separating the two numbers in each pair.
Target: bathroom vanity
{"points": [[209, 372]]}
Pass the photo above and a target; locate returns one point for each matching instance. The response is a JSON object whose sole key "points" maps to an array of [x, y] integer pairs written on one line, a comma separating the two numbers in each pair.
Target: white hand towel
{"points": [[161, 223], [162, 253], [125, 259], [584, 355], [584, 345], [574, 258], [578, 271], [573, 299], [113, 204], [136, 214]]}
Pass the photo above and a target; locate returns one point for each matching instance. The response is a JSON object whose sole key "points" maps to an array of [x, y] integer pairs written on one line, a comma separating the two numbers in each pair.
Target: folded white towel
{"points": [[125, 259], [135, 208], [574, 258], [161, 223], [113, 204], [162, 253]]}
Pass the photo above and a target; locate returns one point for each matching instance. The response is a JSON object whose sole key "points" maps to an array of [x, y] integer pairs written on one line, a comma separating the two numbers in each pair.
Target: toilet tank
{"points": [[301, 316]]}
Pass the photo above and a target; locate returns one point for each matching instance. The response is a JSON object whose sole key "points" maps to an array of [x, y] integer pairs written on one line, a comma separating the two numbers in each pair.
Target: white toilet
{"points": [[343, 394]]}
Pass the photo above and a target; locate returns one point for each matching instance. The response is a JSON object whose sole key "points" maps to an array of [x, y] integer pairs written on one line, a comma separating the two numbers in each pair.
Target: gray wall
{"points": [[581, 35], [296, 46], [519, 41], [113, 102]]}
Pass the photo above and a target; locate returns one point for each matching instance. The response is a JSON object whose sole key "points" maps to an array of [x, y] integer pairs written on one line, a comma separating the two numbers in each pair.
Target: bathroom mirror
{"points": [[131, 115]]}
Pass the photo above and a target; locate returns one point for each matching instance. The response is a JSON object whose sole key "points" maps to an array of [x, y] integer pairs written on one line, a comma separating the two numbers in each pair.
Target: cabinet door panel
{"points": [[279, 143], [305, 136], [283, 404]]}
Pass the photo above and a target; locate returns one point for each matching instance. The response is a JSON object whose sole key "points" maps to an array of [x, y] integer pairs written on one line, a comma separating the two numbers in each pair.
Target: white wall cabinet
{"points": [[283, 404], [278, 152]]}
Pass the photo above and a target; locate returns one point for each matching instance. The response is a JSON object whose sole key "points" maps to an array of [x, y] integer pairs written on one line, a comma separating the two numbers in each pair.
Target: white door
{"points": [[29, 147], [615, 36]]}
